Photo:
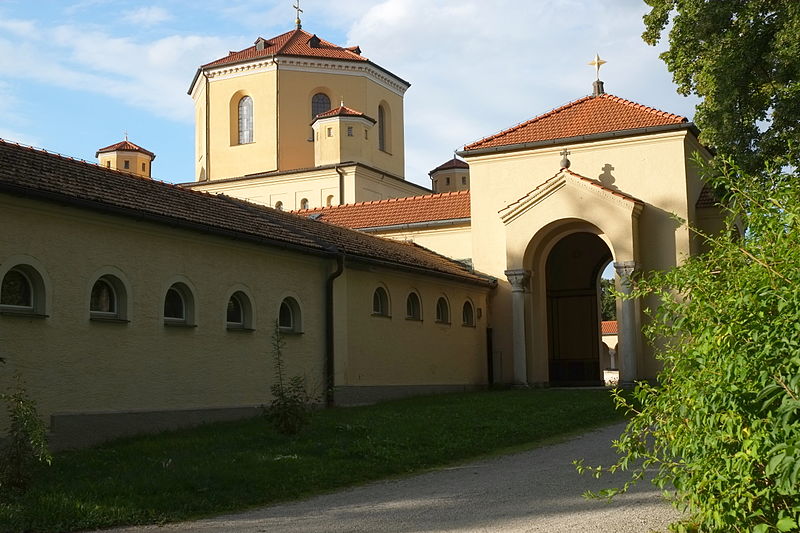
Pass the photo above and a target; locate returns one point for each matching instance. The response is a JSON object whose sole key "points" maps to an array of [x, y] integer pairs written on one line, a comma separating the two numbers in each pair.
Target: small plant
{"points": [[291, 404], [25, 447]]}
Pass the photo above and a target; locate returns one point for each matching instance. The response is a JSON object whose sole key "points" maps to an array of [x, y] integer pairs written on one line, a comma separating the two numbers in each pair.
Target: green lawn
{"points": [[231, 466]]}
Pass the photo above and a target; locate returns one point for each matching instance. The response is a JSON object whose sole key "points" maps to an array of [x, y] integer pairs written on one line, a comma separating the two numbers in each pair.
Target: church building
{"points": [[130, 305]]}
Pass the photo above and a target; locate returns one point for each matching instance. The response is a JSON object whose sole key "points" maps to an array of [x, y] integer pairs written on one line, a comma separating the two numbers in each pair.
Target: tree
{"points": [[723, 425], [742, 57], [608, 300]]}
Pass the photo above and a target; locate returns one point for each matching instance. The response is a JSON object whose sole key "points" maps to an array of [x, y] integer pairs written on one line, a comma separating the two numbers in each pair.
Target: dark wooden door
{"points": [[574, 338]]}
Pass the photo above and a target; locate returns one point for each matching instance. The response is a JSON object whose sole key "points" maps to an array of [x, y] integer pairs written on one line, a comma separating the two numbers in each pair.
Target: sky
{"points": [[76, 75]]}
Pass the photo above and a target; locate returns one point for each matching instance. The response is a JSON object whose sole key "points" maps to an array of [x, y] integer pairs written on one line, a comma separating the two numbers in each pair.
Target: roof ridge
{"points": [[644, 107], [531, 121]]}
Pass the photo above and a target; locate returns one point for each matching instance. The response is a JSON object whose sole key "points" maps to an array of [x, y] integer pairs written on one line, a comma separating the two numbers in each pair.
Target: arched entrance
{"points": [[572, 272]]}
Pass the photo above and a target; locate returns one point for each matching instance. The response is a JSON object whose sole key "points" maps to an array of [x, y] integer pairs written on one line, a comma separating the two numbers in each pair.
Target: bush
{"points": [[723, 425], [25, 446], [290, 408]]}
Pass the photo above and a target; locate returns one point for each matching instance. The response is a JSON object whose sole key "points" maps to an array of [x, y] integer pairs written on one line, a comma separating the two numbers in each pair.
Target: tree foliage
{"points": [[723, 425], [742, 57], [608, 300]]}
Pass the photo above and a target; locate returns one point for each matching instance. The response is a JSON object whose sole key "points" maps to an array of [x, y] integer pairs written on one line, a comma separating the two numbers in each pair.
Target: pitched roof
{"points": [[453, 163], [608, 327], [296, 42], [586, 116], [125, 146], [343, 111], [34, 173], [395, 211]]}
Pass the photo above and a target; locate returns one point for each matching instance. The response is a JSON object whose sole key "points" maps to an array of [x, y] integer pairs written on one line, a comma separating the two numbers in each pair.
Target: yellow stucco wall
{"points": [[454, 241], [420, 352]]}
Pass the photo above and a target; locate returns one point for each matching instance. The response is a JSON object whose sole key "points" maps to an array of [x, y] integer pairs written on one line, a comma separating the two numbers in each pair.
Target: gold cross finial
{"points": [[597, 63], [296, 6], [126, 134]]}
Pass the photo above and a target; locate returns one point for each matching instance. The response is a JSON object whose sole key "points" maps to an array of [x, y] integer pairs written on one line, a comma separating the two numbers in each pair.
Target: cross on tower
{"points": [[564, 161], [126, 134], [296, 6], [597, 63]]}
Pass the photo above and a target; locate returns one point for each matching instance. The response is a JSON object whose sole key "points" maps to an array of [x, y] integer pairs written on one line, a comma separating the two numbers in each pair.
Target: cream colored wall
{"points": [[651, 168], [227, 158], [139, 163], [454, 241], [72, 364], [368, 184], [420, 352], [333, 145], [295, 90]]}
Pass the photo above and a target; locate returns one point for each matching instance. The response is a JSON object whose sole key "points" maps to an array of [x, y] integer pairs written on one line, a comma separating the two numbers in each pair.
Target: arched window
{"points": [[319, 104], [413, 307], [239, 312], [179, 305], [108, 298], [382, 128], [468, 314], [329, 200], [304, 203], [289, 316], [22, 291], [380, 302], [245, 120], [442, 311], [279, 205]]}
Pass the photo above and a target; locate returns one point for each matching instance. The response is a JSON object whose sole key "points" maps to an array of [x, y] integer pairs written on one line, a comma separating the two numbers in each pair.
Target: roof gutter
{"points": [[486, 281], [417, 225], [581, 138]]}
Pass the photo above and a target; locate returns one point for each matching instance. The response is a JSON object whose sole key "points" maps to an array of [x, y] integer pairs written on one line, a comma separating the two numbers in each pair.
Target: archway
{"points": [[572, 272]]}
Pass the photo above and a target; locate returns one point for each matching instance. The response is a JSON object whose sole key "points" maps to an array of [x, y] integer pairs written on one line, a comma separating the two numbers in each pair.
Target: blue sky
{"points": [[75, 75]]}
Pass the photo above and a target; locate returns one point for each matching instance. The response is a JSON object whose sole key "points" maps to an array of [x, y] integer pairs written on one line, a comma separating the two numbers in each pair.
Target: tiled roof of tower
{"points": [[343, 111], [585, 116], [453, 163], [38, 174], [608, 327], [395, 211], [292, 43], [125, 146]]}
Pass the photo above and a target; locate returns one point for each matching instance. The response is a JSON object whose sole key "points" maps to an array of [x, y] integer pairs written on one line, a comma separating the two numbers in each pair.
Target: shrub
{"points": [[25, 446], [723, 425], [290, 408]]}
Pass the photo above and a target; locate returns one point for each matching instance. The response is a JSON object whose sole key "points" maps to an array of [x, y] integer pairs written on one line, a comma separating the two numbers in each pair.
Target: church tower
{"points": [[127, 157], [254, 107]]}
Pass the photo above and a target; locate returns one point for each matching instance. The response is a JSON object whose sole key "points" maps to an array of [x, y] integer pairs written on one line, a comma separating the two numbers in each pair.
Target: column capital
{"points": [[518, 278], [625, 269]]}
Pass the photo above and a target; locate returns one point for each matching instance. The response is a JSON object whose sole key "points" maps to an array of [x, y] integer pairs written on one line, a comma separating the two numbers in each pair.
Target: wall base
{"points": [[363, 395]]}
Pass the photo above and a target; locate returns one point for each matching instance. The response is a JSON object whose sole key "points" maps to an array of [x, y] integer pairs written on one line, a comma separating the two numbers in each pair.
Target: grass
{"points": [[232, 466]]}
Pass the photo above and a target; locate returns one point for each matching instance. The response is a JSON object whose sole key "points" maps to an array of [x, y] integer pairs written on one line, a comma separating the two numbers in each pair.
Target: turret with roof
{"points": [[127, 157], [452, 175]]}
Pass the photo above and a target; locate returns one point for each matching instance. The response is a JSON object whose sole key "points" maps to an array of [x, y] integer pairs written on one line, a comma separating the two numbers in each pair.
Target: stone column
{"points": [[519, 281], [628, 334]]}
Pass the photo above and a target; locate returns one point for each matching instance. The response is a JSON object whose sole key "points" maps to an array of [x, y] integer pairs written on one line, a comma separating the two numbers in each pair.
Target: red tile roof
{"points": [[343, 111], [608, 327], [292, 43], [28, 172], [125, 146], [585, 116], [395, 211], [453, 163]]}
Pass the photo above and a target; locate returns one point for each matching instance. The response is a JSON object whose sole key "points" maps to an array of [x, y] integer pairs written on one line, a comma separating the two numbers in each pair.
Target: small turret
{"points": [[340, 135], [450, 176], [127, 157]]}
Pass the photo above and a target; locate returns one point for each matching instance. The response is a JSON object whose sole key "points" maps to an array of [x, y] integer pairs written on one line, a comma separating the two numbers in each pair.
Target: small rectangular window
{"points": [[144, 167], [330, 132], [366, 134], [463, 180], [349, 131], [127, 164], [108, 164], [447, 181]]}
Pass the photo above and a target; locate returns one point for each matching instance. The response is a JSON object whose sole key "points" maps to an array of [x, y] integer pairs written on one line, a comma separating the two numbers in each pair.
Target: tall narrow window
{"points": [[239, 313], [104, 299], [304, 203], [442, 311], [319, 104], [381, 128], [245, 120], [413, 307], [380, 302], [468, 315], [290, 316]]}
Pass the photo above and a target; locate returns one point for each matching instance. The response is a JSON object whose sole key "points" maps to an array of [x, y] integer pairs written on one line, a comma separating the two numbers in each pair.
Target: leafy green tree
{"points": [[742, 57], [608, 300], [723, 425]]}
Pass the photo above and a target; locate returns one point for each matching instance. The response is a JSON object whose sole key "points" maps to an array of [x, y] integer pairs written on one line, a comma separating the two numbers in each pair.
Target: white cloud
{"points": [[152, 75], [148, 16]]}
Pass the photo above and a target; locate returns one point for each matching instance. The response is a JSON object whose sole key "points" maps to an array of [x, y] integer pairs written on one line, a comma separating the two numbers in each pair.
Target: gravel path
{"points": [[532, 491]]}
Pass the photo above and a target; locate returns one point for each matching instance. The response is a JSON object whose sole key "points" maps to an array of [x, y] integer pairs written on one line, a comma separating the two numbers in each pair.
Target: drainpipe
{"points": [[329, 346], [208, 130], [341, 173]]}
